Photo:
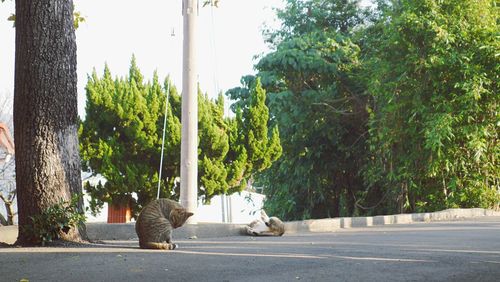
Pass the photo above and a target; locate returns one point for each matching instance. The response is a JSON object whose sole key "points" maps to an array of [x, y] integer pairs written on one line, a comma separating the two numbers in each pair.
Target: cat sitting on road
{"points": [[156, 222], [265, 226]]}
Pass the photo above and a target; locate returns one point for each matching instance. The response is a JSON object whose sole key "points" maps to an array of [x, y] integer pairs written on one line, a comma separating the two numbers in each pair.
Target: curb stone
{"points": [[330, 225]]}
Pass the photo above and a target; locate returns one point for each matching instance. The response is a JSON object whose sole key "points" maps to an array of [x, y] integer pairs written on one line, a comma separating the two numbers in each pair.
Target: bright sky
{"points": [[116, 29]]}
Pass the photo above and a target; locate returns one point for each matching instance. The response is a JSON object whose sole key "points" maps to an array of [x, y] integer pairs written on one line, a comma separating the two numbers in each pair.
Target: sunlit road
{"points": [[454, 251]]}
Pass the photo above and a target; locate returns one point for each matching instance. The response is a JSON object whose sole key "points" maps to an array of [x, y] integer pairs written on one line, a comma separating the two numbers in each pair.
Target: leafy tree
{"points": [[304, 16], [315, 98], [381, 112], [45, 111], [434, 123], [121, 140], [321, 120]]}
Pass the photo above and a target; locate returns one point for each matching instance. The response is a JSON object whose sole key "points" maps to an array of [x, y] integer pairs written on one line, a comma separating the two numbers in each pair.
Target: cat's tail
{"points": [[159, 246]]}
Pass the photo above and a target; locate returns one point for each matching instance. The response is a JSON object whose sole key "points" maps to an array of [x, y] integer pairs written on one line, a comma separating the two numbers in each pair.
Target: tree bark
{"points": [[45, 110]]}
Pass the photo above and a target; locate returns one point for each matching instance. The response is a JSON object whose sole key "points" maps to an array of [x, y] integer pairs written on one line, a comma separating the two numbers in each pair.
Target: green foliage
{"points": [[320, 112], [213, 146], [12, 18], [262, 150], [300, 17], [434, 128], [121, 137], [77, 19], [214, 3], [60, 217], [253, 147], [393, 109], [237, 157], [121, 140], [314, 97], [232, 150]]}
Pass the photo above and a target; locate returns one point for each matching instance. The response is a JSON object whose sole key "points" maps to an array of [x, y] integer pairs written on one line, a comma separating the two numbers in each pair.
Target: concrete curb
{"points": [[126, 231], [333, 224]]}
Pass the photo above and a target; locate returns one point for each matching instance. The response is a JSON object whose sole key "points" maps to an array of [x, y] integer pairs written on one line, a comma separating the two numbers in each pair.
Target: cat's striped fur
{"points": [[156, 222], [266, 226]]}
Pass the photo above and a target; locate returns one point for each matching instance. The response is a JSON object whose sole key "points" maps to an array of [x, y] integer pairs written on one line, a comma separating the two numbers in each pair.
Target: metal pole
{"points": [[189, 118], [223, 205]]}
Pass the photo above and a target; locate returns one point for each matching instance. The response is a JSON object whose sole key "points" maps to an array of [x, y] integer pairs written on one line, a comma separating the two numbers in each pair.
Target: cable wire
{"points": [[163, 138]]}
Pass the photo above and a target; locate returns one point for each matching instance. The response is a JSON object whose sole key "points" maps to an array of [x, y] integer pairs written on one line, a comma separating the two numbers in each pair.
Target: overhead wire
{"points": [[214, 49], [163, 138]]}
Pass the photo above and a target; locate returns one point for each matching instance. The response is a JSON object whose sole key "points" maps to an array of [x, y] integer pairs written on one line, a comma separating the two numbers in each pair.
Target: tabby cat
{"points": [[265, 226], [156, 222]]}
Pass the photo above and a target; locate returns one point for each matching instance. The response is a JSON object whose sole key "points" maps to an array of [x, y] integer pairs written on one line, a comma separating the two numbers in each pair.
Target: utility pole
{"points": [[189, 118]]}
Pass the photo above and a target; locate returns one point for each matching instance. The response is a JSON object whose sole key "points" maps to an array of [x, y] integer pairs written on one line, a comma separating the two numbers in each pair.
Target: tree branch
{"points": [[334, 109]]}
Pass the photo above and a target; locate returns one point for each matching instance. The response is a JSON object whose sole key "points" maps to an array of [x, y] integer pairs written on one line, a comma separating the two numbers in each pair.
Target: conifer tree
{"points": [[122, 134], [213, 147], [262, 149], [121, 137]]}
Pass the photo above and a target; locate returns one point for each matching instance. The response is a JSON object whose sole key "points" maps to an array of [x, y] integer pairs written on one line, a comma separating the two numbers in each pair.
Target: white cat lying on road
{"points": [[265, 226]]}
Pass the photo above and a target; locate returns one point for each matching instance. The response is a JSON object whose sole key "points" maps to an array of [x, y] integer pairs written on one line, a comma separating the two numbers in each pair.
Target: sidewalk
{"points": [[126, 231]]}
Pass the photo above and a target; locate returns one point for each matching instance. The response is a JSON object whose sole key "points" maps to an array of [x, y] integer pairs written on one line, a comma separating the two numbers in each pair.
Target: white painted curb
{"points": [[334, 224]]}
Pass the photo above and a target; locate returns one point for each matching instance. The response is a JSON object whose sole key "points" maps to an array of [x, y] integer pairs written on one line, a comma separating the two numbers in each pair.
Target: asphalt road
{"points": [[452, 251]]}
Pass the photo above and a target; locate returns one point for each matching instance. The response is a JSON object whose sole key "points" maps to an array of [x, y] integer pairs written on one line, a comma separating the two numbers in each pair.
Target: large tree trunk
{"points": [[45, 109]]}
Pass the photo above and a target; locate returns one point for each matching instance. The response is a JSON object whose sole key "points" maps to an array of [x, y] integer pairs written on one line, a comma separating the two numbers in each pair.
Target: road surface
{"points": [[451, 251]]}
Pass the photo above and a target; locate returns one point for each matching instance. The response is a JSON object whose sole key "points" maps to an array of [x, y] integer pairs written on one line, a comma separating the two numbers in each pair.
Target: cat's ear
{"points": [[185, 215]]}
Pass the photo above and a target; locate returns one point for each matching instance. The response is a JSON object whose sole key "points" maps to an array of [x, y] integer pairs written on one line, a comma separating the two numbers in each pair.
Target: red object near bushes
{"points": [[119, 213]]}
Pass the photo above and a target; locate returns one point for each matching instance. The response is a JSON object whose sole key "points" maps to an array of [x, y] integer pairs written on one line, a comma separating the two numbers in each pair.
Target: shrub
{"points": [[60, 217]]}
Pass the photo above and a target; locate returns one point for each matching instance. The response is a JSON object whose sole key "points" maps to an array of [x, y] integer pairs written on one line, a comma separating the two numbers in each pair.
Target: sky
{"points": [[229, 38]]}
